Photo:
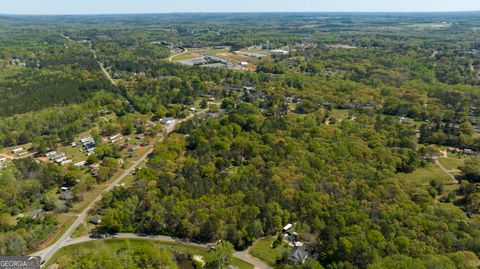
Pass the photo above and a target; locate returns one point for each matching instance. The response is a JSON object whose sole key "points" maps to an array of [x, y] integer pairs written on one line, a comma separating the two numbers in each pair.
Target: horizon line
{"points": [[236, 12]]}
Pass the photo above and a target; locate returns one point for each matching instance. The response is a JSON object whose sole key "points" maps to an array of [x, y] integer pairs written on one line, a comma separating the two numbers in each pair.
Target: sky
{"points": [[168, 6]]}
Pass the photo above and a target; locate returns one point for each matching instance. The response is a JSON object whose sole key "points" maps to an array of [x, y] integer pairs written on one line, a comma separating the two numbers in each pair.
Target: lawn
{"points": [[423, 176], [264, 251], [451, 163], [73, 153], [185, 56], [115, 244], [88, 197]]}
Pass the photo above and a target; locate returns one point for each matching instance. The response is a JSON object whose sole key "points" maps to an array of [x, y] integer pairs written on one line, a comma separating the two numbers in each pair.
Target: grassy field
{"points": [[69, 252], [185, 56], [264, 251], [73, 153], [422, 176], [451, 163]]}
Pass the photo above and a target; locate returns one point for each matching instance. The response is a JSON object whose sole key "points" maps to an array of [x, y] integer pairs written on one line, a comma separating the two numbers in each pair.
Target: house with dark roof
{"points": [[66, 195], [35, 213], [167, 121], [95, 220], [298, 255]]}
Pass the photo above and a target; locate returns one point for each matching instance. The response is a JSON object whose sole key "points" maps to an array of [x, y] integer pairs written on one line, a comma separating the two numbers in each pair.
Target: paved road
{"points": [[175, 55], [242, 255], [48, 252], [102, 67]]}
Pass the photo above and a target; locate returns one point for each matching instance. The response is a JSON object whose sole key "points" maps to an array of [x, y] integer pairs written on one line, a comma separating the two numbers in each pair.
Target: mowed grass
{"points": [[73, 153], [451, 163], [264, 251], [422, 176], [72, 251], [185, 56]]}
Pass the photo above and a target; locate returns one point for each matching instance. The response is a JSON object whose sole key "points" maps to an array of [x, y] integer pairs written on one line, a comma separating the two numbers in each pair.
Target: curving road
{"points": [[48, 252], [170, 59], [242, 255], [102, 67], [66, 240]]}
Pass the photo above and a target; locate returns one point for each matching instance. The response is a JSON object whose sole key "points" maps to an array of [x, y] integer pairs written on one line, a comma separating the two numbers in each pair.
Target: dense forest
{"points": [[245, 175]]}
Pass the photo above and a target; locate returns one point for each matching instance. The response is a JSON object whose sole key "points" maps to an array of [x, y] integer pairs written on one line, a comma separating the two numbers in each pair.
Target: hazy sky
{"points": [[162, 6]]}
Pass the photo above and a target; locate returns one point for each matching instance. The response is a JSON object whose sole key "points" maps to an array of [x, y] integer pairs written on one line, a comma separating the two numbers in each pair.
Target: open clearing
{"points": [[263, 250], [66, 253]]}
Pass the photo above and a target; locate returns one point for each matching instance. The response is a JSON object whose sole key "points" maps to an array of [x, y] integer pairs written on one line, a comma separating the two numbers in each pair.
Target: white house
{"points": [[66, 162], [17, 150], [79, 164], [167, 121], [287, 227]]}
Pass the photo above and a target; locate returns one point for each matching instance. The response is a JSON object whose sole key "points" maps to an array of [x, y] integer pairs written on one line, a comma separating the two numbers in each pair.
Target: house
{"points": [[95, 220], [298, 255], [56, 156], [167, 121], [279, 51], [74, 144], [115, 137], [51, 153], [88, 143], [454, 150], [133, 148], [66, 195], [66, 162], [80, 164], [35, 213], [211, 115], [287, 227], [471, 153], [60, 159], [298, 244], [243, 63], [17, 150], [87, 140], [405, 121], [94, 165]]}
